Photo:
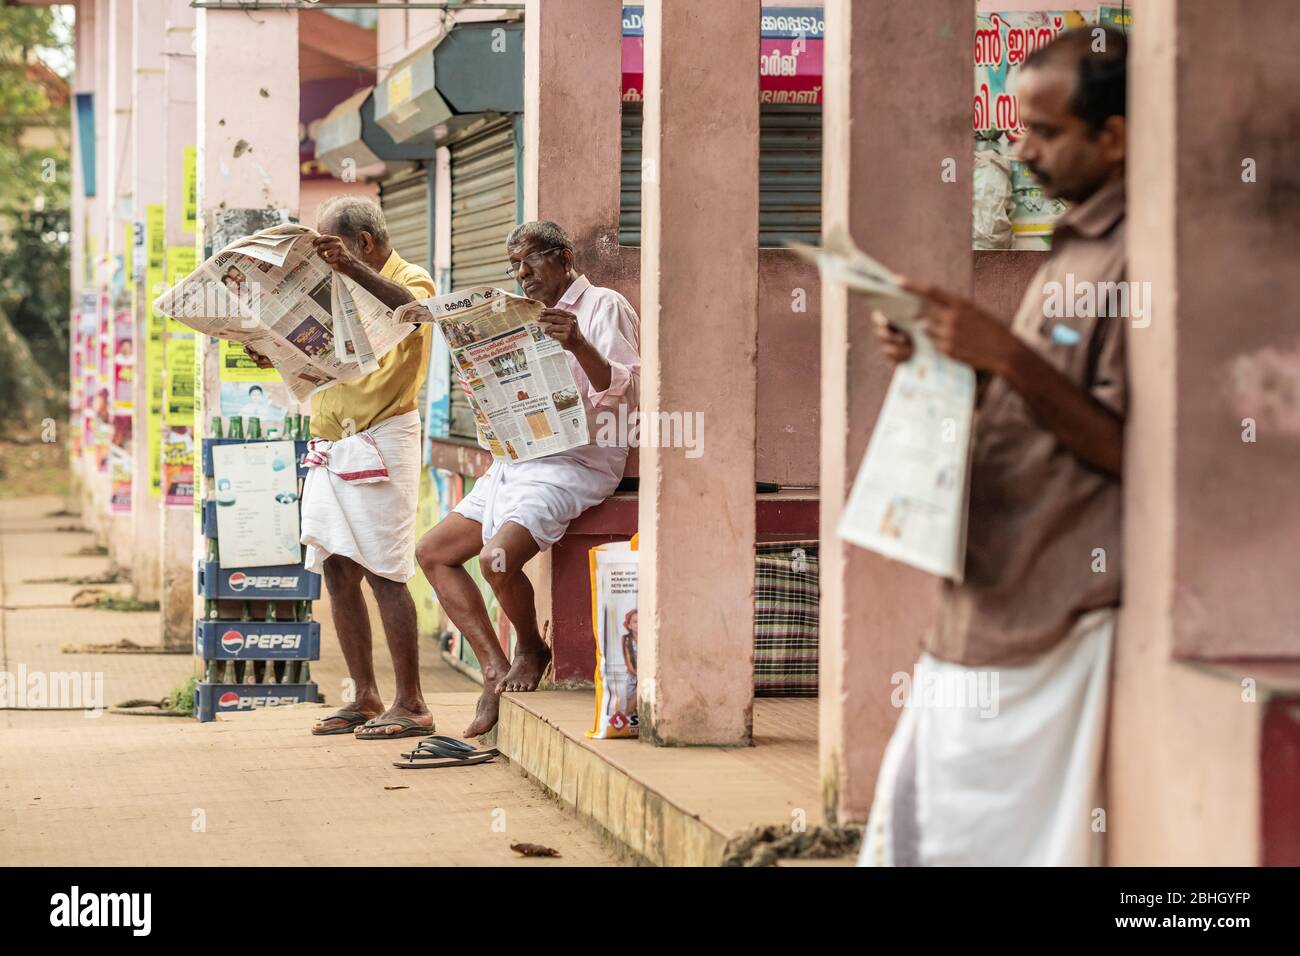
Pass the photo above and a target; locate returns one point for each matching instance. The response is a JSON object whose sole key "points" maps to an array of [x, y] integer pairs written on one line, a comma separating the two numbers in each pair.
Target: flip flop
{"points": [[429, 755], [408, 724], [424, 750], [354, 719]]}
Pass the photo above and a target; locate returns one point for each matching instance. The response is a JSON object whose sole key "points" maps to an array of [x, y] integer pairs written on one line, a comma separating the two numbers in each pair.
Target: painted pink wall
{"points": [[313, 192]]}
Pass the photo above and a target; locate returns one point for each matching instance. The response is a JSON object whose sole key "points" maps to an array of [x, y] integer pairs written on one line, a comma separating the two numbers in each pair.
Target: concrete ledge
{"points": [[667, 806]]}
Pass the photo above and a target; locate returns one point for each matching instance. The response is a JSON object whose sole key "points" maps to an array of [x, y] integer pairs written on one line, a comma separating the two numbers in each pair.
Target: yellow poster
{"points": [[236, 366], [128, 259], [190, 190], [155, 248], [179, 397]]}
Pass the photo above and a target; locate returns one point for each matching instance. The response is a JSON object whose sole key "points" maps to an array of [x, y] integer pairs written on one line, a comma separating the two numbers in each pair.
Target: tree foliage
{"points": [[35, 194]]}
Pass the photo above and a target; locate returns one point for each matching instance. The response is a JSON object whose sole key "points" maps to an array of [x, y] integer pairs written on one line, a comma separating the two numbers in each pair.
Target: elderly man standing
{"points": [[518, 509], [1009, 774], [356, 529]]}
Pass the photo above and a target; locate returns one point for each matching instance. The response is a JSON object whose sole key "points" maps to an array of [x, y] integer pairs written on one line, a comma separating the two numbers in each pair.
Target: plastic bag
{"points": [[991, 223], [614, 585]]}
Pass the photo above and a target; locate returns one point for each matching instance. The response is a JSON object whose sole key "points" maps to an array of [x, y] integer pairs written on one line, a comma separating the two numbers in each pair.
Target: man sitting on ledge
{"points": [[518, 509]]}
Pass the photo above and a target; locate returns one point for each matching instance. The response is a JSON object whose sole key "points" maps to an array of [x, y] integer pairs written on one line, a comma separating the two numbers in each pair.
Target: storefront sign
{"points": [[790, 54]]}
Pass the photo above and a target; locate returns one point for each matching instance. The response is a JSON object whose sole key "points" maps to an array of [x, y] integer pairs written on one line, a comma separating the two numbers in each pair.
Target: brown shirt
{"points": [[1038, 515]]}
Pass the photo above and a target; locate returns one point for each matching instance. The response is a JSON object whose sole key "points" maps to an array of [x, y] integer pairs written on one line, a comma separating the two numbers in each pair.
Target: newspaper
{"points": [[517, 378], [272, 292], [909, 500]]}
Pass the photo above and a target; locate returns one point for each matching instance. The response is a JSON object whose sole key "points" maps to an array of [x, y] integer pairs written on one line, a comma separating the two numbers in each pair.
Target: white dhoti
{"points": [[998, 766], [360, 498], [543, 495]]}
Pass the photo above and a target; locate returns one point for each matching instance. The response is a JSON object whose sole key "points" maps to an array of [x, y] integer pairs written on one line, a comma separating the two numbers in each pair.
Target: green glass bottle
{"points": [[216, 426], [278, 669], [254, 429], [236, 427], [246, 615]]}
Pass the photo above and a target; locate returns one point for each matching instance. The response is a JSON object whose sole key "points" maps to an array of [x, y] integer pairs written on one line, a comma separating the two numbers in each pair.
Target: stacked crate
{"points": [[256, 636]]}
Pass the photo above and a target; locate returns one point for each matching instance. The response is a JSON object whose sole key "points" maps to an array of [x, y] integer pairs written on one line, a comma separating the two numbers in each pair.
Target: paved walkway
{"points": [[252, 789]]}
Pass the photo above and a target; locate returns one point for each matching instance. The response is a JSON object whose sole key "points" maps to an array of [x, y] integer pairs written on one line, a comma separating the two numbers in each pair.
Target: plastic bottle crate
{"points": [[299, 451], [213, 699], [280, 582], [257, 640]]}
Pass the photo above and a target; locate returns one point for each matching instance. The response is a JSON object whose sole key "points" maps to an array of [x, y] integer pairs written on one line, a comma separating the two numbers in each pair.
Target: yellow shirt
{"points": [[394, 387]]}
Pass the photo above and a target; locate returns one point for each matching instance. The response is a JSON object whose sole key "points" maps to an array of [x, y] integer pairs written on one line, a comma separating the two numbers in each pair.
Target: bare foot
{"points": [[419, 714], [485, 715], [526, 671]]}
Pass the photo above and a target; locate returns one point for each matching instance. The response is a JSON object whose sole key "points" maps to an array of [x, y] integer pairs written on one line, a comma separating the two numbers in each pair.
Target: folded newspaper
{"points": [[909, 500], [272, 292], [517, 378]]}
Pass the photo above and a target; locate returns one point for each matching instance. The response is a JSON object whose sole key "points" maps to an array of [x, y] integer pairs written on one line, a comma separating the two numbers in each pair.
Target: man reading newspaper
{"points": [[359, 501], [1008, 774], [519, 508]]}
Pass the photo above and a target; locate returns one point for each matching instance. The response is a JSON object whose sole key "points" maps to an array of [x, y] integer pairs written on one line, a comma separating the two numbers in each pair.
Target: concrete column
{"points": [[94, 504], [882, 73], [564, 93], [699, 313], [179, 132], [149, 95], [1207, 631], [248, 174], [83, 82], [117, 193]]}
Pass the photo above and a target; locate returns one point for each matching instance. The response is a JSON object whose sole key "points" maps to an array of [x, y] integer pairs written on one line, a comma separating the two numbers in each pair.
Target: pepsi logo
{"points": [[232, 641], [228, 699], [238, 581]]}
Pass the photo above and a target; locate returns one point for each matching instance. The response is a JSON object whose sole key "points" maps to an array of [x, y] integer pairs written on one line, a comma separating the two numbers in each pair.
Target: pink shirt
{"points": [[610, 324]]}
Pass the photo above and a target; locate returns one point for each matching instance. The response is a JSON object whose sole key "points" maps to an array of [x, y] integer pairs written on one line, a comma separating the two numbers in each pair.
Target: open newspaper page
{"points": [[517, 378], [272, 292], [909, 499]]}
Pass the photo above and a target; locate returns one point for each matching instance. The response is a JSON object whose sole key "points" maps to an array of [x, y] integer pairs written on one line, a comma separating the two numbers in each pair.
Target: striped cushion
{"points": [[785, 619]]}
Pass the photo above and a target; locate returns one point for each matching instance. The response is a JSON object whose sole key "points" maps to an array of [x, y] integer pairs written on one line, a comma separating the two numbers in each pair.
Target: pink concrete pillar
{"points": [[699, 312], [564, 93], [890, 193], [1207, 631], [149, 95], [179, 131], [574, 179], [247, 138], [82, 205]]}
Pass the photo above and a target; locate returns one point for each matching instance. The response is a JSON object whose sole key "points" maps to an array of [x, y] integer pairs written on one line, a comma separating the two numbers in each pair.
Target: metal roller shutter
{"points": [[405, 201], [483, 207], [789, 174]]}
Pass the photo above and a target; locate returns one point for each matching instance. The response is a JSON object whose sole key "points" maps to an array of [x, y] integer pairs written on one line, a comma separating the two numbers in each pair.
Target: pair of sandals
{"points": [[352, 719], [431, 753]]}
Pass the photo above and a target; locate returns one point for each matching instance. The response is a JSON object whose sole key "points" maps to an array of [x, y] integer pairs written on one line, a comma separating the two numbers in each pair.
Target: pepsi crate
{"points": [[257, 640], [213, 699], [281, 582], [208, 520], [299, 451]]}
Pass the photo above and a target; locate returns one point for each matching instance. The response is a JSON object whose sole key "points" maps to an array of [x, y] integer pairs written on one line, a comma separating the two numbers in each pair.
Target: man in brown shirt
{"points": [[997, 756]]}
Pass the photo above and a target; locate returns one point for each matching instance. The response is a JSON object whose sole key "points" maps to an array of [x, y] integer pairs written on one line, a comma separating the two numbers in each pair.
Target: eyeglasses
{"points": [[532, 262]]}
